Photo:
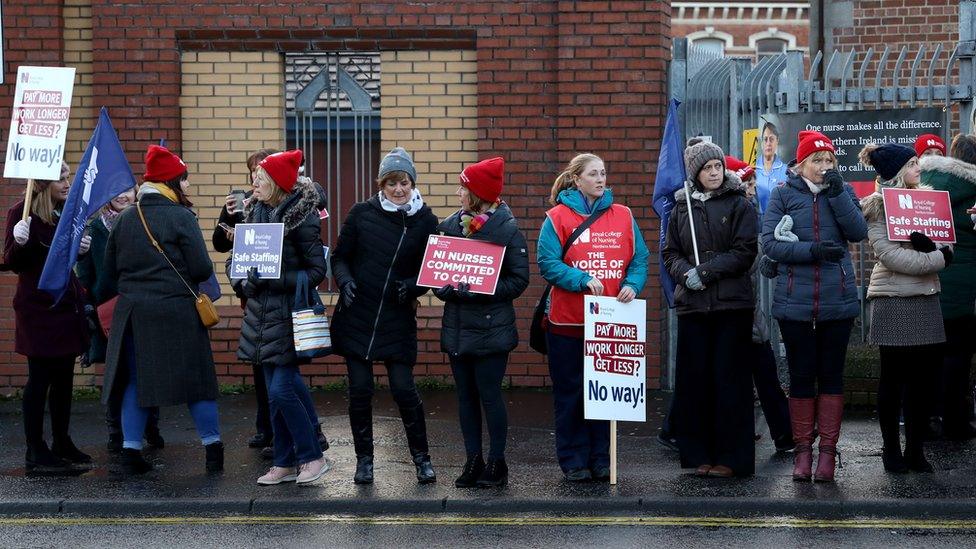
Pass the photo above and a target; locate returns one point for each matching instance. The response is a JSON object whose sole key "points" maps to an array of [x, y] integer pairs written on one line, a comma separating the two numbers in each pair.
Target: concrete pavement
{"points": [[650, 481]]}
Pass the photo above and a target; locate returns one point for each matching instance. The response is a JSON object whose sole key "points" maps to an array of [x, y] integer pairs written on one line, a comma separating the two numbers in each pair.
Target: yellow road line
{"points": [[454, 520]]}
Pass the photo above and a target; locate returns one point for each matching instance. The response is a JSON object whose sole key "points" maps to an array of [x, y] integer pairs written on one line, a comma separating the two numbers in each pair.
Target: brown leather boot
{"points": [[801, 418], [830, 411]]}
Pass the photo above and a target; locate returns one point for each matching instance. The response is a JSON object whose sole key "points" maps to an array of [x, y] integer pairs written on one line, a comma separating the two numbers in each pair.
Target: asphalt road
{"points": [[464, 531]]}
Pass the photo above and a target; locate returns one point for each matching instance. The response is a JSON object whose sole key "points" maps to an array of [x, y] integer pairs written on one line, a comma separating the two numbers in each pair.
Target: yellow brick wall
{"points": [[78, 54], [429, 106], [232, 103]]}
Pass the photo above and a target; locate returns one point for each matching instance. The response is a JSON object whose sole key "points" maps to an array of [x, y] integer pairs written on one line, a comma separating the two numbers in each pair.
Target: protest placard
{"points": [[257, 245], [918, 210], [452, 260], [39, 122], [614, 359]]}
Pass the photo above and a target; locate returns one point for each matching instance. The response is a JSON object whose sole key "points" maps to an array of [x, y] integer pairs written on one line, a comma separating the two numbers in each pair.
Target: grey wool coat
{"points": [[173, 360]]}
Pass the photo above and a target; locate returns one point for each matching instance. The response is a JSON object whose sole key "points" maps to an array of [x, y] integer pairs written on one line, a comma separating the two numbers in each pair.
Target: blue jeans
{"points": [[134, 417], [580, 443], [292, 417]]}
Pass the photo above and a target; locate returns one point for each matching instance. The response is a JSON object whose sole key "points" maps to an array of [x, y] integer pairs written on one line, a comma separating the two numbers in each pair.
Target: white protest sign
{"points": [[614, 359], [39, 122]]}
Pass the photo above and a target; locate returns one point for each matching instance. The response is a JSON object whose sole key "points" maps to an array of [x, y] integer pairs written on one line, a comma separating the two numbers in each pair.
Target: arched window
{"points": [[770, 46], [711, 45]]}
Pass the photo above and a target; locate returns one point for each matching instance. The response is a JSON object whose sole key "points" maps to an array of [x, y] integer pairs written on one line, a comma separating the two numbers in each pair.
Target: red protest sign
{"points": [[918, 210], [452, 260]]}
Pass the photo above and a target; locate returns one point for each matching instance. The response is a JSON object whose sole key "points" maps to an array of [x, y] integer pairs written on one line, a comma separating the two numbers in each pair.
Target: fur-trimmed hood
{"points": [[304, 199], [731, 183], [873, 205], [949, 165]]}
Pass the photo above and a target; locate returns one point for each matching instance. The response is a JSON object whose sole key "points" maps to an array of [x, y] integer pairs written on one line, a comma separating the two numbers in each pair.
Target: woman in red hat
{"points": [[807, 226], [929, 144], [479, 350], [281, 195], [158, 351], [51, 335]]}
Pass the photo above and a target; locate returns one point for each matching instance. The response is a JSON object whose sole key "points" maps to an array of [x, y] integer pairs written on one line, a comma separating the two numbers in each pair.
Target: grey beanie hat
{"points": [[398, 160], [697, 154]]}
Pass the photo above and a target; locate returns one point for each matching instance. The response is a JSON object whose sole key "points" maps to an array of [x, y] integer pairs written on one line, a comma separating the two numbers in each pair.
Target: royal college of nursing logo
{"points": [[249, 237], [594, 308]]}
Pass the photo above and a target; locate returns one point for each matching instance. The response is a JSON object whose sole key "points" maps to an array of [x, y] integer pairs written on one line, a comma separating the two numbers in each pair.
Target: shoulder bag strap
{"points": [[572, 238], [160, 249]]}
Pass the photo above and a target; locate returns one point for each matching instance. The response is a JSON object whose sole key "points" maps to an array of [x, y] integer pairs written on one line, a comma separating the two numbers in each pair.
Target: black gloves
{"points": [[769, 268], [921, 243], [253, 284], [402, 292], [445, 293], [828, 251], [947, 254], [348, 291], [835, 183]]}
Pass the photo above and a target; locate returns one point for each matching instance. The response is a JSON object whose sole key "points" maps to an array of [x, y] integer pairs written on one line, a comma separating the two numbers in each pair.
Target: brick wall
{"points": [[553, 78]]}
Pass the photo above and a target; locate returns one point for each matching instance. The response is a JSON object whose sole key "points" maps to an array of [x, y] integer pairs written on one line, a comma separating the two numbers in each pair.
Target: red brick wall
{"points": [[554, 78], [894, 23]]}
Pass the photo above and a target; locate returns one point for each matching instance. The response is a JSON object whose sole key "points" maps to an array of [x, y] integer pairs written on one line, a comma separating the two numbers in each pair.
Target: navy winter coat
{"points": [[808, 289]]}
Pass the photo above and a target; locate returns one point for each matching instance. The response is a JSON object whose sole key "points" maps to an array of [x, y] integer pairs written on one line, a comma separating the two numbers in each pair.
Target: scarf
{"points": [[814, 188], [702, 195], [150, 187], [412, 206], [472, 222]]}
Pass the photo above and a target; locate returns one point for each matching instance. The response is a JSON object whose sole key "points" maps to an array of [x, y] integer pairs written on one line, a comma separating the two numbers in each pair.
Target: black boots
{"points": [[495, 474], [40, 459], [215, 457], [154, 439], [133, 463], [415, 425], [361, 422], [473, 468], [320, 435], [892, 459], [65, 449]]}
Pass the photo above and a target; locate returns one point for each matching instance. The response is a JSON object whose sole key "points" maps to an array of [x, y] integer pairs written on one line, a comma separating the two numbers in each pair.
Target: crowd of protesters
{"points": [[143, 265]]}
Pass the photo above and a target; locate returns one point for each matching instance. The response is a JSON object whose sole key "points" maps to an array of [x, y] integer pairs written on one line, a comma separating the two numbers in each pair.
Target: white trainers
{"points": [[312, 471], [277, 475]]}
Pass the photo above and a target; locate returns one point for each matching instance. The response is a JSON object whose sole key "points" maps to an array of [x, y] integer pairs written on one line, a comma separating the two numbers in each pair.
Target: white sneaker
{"points": [[312, 471], [277, 475]]}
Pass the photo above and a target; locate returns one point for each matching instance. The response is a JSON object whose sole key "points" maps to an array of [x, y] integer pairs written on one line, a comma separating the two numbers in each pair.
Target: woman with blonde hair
{"points": [[806, 228], [906, 319], [581, 197], [50, 334]]}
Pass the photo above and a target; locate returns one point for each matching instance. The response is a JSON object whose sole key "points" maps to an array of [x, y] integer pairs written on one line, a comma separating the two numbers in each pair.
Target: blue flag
{"points": [[103, 174], [670, 178]]}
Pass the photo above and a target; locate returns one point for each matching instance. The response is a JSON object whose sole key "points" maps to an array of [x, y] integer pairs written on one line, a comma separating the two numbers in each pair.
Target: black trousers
{"points": [[361, 384], [816, 354], [479, 385], [956, 366], [713, 394], [580, 443], [775, 407], [113, 415], [903, 383], [49, 381]]}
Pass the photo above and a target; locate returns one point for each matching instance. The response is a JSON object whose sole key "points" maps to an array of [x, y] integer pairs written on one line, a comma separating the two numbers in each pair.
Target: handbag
{"points": [[106, 311], [205, 308], [310, 324], [537, 332]]}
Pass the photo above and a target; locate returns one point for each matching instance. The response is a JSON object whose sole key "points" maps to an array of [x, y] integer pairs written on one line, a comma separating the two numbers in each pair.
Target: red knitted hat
{"points": [[485, 179], [929, 141], [162, 165], [741, 169], [811, 142], [283, 168]]}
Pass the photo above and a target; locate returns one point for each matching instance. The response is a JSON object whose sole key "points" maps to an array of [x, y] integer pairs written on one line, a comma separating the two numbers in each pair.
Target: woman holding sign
{"points": [[709, 250], [375, 264], [956, 174], [580, 195], [479, 330], [906, 321], [50, 335], [806, 228], [281, 195]]}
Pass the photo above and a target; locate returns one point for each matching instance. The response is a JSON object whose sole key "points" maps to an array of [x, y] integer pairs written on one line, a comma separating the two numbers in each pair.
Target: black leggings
{"points": [[816, 355], [361, 383], [479, 384], [901, 381], [48, 375]]}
